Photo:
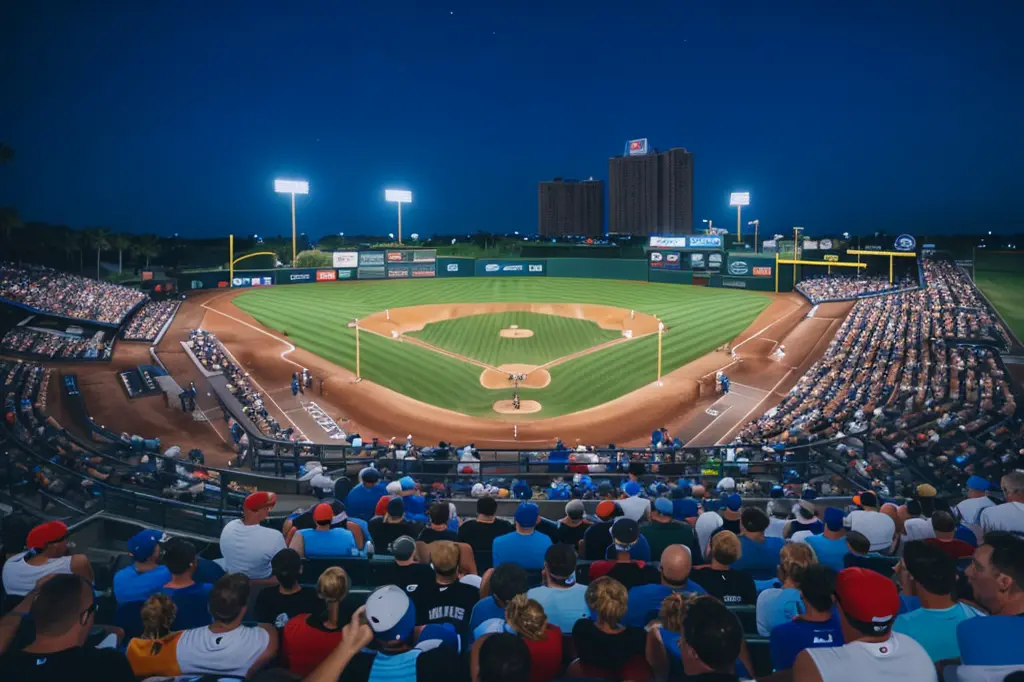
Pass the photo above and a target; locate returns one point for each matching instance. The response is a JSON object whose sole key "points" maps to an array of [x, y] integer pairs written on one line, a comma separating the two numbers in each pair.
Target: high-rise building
{"points": [[651, 193], [570, 207]]}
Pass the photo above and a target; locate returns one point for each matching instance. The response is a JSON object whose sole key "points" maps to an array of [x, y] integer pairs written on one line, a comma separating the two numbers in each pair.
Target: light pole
{"points": [[398, 196], [796, 238], [739, 200], [756, 224], [710, 226], [292, 187]]}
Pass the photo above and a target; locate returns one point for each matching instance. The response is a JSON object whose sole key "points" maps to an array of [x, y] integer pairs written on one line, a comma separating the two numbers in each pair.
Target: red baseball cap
{"points": [[45, 534], [868, 596], [323, 512], [605, 509], [382, 506], [260, 500]]}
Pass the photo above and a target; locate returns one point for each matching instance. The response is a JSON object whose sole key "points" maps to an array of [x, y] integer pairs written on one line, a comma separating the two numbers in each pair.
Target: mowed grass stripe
{"points": [[316, 317], [479, 337], [1003, 290]]}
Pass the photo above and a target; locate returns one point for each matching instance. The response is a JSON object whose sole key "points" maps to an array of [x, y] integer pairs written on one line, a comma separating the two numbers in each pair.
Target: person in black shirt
{"points": [[63, 611], [479, 533], [446, 600], [598, 537], [625, 534], [275, 605], [573, 526], [406, 572], [386, 529], [604, 646], [711, 641], [438, 514], [733, 588]]}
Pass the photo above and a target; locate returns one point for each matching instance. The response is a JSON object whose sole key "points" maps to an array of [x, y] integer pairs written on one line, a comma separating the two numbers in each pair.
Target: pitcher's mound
{"points": [[514, 332], [535, 378], [525, 407]]}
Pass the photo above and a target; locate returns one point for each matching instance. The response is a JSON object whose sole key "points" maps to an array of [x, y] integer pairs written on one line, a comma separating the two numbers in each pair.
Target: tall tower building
{"points": [[650, 193], [570, 207]]}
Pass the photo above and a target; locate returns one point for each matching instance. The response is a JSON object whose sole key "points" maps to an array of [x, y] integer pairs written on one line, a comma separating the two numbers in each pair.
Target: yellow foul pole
{"points": [[776, 269]]}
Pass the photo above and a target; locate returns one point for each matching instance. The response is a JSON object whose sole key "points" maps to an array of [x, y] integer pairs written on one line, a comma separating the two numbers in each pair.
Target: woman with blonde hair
{"points": [[308, 638], [526, 618], [156, 651], [606, 648], [778, 605], [663, 638]]}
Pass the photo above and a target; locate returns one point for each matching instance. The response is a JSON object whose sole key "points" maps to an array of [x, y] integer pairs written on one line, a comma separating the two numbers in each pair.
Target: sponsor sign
{"points": [[825, 244], [428, 256], [739, 268], [536, 267], [453, 267], [668, 243], [395, 256], [672, 261], [517, 268], [872, 247], [326, 275], [300, 277], [734, 283], [697, 261], [705, 241], [422, 270], [372, 272], [714, 260], [831, 258], [905, 242], [770, 244], [398, 272], [222, 285], [928, 246], [371, 258], [657, 259], [810, 245], [346, 259], [637, 147], [762, 271], [344, 274], [492, 267], [252, 281], [197, 284], [512, 268]]}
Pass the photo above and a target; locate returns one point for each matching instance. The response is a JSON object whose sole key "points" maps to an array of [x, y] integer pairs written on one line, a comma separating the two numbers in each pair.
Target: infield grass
{"points": [[479, 337], [1004, 290], [316, 318]]}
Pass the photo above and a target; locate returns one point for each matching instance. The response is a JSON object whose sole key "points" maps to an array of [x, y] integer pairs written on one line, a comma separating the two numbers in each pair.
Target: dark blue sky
{"points": [[175, 117]]}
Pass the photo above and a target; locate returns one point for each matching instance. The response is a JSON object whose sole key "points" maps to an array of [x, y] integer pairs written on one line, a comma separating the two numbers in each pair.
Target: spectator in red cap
{"points": [[247, 546], [323, 541], [868, 605], [47, 554]]}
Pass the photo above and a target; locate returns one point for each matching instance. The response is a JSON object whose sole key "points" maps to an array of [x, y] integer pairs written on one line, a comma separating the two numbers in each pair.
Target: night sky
{"points": [[175, 117]]}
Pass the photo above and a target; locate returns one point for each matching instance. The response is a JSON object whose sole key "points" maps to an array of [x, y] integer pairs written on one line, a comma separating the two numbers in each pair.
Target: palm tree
{"points": [[147, 246], [120, 242], [98, 238], [6, 154]]}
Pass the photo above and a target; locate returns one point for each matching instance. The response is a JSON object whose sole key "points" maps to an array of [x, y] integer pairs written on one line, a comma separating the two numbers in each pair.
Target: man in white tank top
{"points": [[1008, 516], [868, 604], [47, 555]]}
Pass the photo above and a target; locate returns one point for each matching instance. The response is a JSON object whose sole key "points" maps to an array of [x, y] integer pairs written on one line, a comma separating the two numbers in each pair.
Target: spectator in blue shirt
{"points": [[362, 500], [190, 597], [830, 546], [525, 546], [504, 582], [645, 600], [817, 627], [759, 555], [145, 576]]}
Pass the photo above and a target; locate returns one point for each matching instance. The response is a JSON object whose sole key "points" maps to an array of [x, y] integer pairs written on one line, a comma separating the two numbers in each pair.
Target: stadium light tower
{"points": [[709, 224], [398, 196], [756, 224], [739, 200], [292, 187]]}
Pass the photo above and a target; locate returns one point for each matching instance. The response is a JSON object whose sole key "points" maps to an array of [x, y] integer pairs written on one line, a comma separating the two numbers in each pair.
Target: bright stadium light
{"points": [[398, 196], [292, 187], [414, 236], [739, 200]]}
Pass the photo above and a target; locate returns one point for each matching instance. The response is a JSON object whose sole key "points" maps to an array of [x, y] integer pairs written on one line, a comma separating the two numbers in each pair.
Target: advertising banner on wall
{"points": [[671, 260], [510, 268], [762, 270], [370, 258], [326, 275], [372, 272], [455, 267], [411, 256], [714, 261], [296, 276], [264, 281], [693, 241], [398, 272], [422, 270], [657, 259], [346, 259], [697, 261], [348, 273]]}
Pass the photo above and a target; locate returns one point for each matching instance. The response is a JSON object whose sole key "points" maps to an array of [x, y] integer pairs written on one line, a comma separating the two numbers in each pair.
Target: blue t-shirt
{"points": [[760, 560], [526, 550], [415, 504], [326, 544], [645, 600], [992, 640], [485, 609], [829, 552], [778, 608], [563, 606], [935, 629], [132, 586], [789, 639], [361, 501], [193, 605]]}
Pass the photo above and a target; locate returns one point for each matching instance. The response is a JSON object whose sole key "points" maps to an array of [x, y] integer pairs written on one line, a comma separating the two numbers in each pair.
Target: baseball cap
{"points": [[323, 512], [977, 483], [527, 514], [382, 506], [142, 544], [561, 562], [574, 509], [776, 492], [369, 475], [632, 489], [733, 502], [435, 635], [403, 547], [804, 512], [625, 531], [394, 488], [407, 482], [868, 596], [727, 483], [866, 499], [834, 518], [45, 534], [390, 614], [260, 500], [605, 488], [688, 508], [605, 509], [395, 507], [663, 505]]}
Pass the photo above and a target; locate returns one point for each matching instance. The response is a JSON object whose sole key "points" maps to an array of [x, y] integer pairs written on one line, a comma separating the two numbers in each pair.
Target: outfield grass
{"points": [[316, 317], [478, 337], [1005, 290]]}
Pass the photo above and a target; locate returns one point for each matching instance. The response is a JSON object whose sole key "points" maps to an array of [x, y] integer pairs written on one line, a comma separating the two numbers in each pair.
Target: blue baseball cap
{"points": [[777, 492], [407, 482], [834, 518], [734, 502], [632, 489], [142, 544], [977, 483], [688, 508], [663, 505], [527, 514], [391, 614], [436, 635]]}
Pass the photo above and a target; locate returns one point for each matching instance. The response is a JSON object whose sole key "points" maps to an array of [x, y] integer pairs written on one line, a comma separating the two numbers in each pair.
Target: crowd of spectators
{"points": [[56, 346], [211, 354], [845, 288], [146, 324], [958, 306], [59, 293]]}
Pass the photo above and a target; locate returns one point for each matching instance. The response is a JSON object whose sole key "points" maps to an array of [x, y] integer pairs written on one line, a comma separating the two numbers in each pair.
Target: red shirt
{"points": [[304, 646], [545, 655], [958, 549]]}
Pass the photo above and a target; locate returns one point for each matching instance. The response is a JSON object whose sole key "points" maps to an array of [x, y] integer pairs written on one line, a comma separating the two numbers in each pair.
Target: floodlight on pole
{"points": [[292, 187], [739, 200], [398, 196], [709, 224], [756, 224]]}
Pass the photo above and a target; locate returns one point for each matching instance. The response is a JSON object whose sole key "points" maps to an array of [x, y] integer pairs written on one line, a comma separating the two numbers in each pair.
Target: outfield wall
{"points": [[599, 268]]}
